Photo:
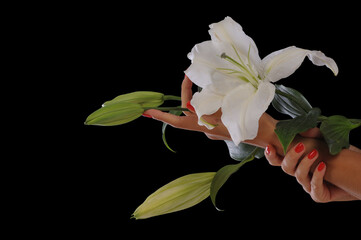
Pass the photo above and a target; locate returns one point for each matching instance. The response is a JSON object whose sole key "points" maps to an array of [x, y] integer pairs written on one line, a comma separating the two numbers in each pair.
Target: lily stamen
{"points": [[246, 74]]}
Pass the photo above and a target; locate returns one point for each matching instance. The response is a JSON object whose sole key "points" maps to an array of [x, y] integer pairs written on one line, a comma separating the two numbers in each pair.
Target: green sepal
{"points": [[286, 130], [291, 102], [336, 130], [222, 176]]}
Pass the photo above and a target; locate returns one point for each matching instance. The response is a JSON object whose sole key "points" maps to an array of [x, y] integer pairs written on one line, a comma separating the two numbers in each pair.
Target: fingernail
{"points": [[146, 115], [312, 154], [321, 166], [190, 107], [268, 150], [299, 148]]}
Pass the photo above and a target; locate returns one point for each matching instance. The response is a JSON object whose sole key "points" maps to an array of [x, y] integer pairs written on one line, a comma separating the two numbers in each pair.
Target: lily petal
{"points": [[206, 102], [243, 107], [206, 59], [257, 106], [223, 83], [229, 31], [283, 63]]}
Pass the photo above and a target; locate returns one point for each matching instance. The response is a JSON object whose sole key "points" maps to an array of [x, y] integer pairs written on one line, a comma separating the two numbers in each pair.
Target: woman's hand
{"points": [[340, 167], [300, 167], [190, 120]]}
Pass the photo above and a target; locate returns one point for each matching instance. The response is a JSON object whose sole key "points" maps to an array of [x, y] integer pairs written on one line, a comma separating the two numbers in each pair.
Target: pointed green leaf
{"points": [[222, 176], [177, 113], [336, 130], [291, 102], [286, 130]]}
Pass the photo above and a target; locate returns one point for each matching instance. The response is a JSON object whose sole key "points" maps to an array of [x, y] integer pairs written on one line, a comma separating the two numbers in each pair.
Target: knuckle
{"points": [[316, 198], [299, 177], [307, 188], [211, 136], [270, 159], [286, 168], [272, 162]]}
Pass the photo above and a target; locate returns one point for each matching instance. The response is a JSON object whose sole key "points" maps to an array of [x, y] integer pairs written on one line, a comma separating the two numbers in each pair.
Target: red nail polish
{"points": [[268, 150], [312, 154], [190, 107], [321, 166], [299, 148], [146, 115]]}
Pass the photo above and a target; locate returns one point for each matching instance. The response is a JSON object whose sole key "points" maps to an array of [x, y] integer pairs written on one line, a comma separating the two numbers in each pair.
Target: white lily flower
{"points": [[235, 79]]}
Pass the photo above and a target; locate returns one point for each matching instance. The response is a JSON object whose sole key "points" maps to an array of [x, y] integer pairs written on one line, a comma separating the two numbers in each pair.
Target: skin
{"points": [[341, 181], [293, 164]]}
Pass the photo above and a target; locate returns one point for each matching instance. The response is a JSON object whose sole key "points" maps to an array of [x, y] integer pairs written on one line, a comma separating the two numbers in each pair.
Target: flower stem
{"points": [[168, 108], [171, 97], [321, 118]]}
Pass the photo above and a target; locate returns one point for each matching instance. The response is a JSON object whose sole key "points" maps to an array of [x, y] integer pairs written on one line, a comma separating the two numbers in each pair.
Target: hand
{"points": [[190, 120], [293, 164]]}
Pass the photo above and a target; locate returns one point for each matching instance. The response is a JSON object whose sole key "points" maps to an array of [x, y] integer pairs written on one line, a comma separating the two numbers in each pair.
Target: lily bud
{"points": [[145, 98], [177, 195], [115, 114]]}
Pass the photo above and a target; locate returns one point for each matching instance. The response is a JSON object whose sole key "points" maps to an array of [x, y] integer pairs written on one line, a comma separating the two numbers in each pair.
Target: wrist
{"points": [[266, 134]]}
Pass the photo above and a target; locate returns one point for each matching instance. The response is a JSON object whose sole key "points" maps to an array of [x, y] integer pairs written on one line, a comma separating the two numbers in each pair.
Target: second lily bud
{"points": [[146, 99], [182, 193]]}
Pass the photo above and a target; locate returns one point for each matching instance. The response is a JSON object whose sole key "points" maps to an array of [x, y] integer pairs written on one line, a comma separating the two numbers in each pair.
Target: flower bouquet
{"points": [[235, 88]]}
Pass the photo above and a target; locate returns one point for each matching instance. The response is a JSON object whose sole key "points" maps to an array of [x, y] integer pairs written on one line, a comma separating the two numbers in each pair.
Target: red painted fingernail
{"points": [[268, 150], [146, 115], [190, 107], [299, 148], [312, 154], [321, 166]]}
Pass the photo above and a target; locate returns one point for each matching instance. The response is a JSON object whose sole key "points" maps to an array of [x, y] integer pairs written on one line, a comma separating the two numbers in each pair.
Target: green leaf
{"points": [[222, 176], [286, 130], [291, 102], [177, 113], [243, 151], [336, 130]]}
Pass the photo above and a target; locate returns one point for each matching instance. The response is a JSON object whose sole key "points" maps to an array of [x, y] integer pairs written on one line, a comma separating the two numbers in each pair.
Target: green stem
{"points": [[168, 108], [171, 97], [321, 118]]}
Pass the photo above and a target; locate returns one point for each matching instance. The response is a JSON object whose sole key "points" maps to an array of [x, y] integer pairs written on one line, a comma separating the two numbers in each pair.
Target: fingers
{"points": [[318, 189], [303, 170], [271, 155], [314, 185], [188, 123], [186, 93], [291, 159]]}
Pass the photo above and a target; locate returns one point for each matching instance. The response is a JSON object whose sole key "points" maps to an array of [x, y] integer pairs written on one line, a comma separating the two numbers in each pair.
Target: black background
{"points": [[95, 177]]}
